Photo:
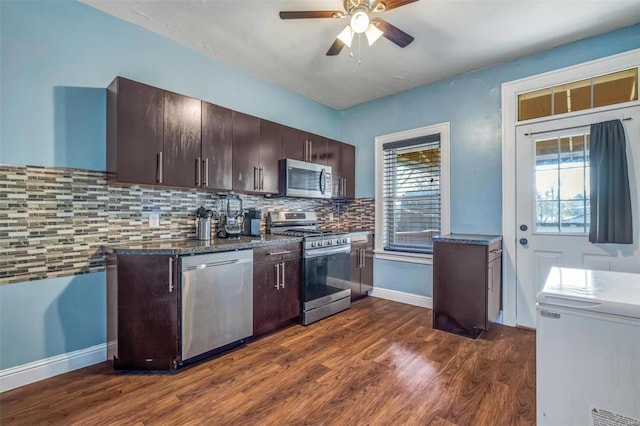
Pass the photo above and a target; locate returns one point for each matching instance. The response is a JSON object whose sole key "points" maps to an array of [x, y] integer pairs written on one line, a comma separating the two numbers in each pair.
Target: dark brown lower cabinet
{"points": [[466, 286], [277, 274], [142, 311], [361, 265]]}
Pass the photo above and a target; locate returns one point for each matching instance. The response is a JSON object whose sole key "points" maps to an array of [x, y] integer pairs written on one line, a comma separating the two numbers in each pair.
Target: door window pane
{"points": [[562, 191]]}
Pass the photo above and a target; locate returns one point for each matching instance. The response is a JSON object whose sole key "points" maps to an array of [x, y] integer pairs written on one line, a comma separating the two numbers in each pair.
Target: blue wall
{"points": [[472, 104], [58, 57], [40, 319]]}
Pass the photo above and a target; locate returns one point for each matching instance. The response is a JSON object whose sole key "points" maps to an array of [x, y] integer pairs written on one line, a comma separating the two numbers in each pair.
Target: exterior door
{"points": [[553, 207]]}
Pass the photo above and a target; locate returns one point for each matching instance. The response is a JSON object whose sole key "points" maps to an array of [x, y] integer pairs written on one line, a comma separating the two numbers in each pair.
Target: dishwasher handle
{"points": [[213, 264]]}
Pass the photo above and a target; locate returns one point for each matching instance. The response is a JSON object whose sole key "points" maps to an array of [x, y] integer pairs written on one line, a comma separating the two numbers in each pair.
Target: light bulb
{"points": [[360, 22]]}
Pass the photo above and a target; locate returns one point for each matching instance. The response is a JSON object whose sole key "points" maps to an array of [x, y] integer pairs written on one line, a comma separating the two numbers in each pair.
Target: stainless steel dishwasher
{"points": [[217, 301]]}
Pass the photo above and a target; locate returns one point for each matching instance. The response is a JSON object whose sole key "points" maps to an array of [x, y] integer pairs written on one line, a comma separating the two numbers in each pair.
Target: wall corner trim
{"points": [[13, 377], [402, 297]]}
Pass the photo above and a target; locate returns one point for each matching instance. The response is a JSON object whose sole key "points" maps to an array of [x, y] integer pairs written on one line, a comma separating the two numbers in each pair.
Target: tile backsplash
{"points": [[55, 221]]}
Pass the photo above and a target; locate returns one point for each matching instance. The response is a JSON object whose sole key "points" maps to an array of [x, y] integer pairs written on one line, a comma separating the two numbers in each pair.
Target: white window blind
{"points": [[411, 194]]}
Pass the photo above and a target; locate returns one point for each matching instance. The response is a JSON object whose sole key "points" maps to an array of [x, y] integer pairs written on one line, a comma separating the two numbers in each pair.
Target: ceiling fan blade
{"points": [[393, 4], [392, 32], [305, 14], [335, 48]]}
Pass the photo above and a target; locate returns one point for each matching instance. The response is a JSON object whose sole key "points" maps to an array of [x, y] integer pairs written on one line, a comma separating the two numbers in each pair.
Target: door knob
{"points": [[524, 241], [523, 227]]}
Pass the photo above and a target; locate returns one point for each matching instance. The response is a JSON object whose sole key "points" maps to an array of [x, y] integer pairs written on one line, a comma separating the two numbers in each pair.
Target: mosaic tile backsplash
{"points": [[55, 221]]}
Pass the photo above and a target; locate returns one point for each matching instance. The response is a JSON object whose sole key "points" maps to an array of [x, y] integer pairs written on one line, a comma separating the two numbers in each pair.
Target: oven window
{"points": [[303, 179], [325, 275]]}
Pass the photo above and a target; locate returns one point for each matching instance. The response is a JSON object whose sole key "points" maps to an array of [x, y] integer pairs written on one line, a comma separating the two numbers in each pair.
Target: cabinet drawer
{"points": [[277, 253], [495, 251]]}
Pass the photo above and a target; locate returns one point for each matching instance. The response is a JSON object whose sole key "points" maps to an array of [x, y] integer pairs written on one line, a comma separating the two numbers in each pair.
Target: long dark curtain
{"points": [[610, 194]]}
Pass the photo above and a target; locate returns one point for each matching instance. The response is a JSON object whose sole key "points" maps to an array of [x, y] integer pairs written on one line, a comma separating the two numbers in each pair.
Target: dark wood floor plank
{"points": [[378, 363]]}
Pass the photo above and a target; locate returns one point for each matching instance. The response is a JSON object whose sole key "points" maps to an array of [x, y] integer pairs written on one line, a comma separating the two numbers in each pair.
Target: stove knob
{"points": [[344, 241], [313, 244], [329, 243]]}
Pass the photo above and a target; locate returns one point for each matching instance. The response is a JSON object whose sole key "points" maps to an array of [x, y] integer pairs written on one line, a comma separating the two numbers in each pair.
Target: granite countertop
{"points": [[190, 246], [478, 239]]}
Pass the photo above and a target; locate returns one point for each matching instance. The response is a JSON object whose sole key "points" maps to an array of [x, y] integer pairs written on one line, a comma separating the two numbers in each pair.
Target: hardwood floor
{"points": [[379, 363]]}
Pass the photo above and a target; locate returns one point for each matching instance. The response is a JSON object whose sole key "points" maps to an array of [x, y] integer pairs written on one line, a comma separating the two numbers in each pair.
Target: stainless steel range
{"points": [[326, 282]]}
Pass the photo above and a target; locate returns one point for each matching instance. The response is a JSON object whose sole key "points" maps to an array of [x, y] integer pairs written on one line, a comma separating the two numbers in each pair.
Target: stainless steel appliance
{"points": [[252, 218], [303, 179], [231, 218], [326, 275], [217, 302]]}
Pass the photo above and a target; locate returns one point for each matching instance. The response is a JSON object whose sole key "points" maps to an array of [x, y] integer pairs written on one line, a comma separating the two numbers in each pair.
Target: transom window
{"points": [[608, 89], [562, 184]]}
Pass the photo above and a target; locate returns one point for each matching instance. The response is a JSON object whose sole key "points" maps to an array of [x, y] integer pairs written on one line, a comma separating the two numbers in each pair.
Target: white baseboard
{"points": [[11, 378], [402, 297]]}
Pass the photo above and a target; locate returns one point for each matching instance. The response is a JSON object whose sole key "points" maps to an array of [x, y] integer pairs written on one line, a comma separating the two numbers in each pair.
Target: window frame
{"points": [[443, 129]]}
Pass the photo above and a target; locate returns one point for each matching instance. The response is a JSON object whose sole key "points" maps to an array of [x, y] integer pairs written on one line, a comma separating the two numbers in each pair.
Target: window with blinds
{"points": [[411, 194]]}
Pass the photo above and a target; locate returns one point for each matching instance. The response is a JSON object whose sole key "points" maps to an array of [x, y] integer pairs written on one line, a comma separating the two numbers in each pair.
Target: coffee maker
{"points": [[230, 224], [252, 219]]}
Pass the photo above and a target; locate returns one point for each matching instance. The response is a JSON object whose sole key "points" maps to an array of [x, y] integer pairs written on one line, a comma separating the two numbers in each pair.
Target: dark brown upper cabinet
{"points": [[135, 132], [303, 146], [342, 158], [257, 148], [217, 148], [246, 152], [182, 160], [270, 155], [294, 144]]}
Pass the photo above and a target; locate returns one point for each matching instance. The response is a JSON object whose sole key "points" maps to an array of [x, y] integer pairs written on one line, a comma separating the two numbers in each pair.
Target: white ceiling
{"points": [[451, 37]]}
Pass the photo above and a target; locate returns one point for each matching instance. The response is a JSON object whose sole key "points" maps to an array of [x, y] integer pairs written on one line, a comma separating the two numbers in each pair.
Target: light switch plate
{"points": [[154, 220]]}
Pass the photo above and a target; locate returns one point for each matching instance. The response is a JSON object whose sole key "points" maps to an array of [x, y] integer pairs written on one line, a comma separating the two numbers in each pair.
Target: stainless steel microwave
{"points": [[302, 179]]}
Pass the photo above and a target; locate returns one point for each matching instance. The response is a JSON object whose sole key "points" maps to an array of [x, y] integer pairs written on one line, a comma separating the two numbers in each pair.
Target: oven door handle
{"points": [[326, 251]]}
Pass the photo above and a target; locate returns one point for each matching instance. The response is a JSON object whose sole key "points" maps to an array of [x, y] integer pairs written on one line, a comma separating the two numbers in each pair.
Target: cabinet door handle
{"points": [[255, 178], [359, 259], [304, 151], [497, 251], [490, 273], [171, 287], [310, 150], [198, 172], [261, 175], [364, 257], [159, 168], [206, 172], [276, 253], [282, 275], [277, 266]]}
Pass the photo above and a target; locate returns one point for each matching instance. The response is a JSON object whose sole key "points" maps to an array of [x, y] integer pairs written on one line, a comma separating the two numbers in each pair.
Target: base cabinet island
{"points": [[466, 283]]}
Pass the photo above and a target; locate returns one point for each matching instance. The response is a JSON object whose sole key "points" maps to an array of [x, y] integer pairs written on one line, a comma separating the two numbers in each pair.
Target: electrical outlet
{"points": [[154, 220], [330, 217]]}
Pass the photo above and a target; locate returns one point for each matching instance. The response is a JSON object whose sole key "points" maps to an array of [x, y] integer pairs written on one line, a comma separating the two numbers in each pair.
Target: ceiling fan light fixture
{"points": [[373, 34], [346, 36], [360, 21]]}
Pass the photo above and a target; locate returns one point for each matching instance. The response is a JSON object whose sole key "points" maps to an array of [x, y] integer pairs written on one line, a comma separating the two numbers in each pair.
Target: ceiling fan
{"points": [[361, 21]]}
